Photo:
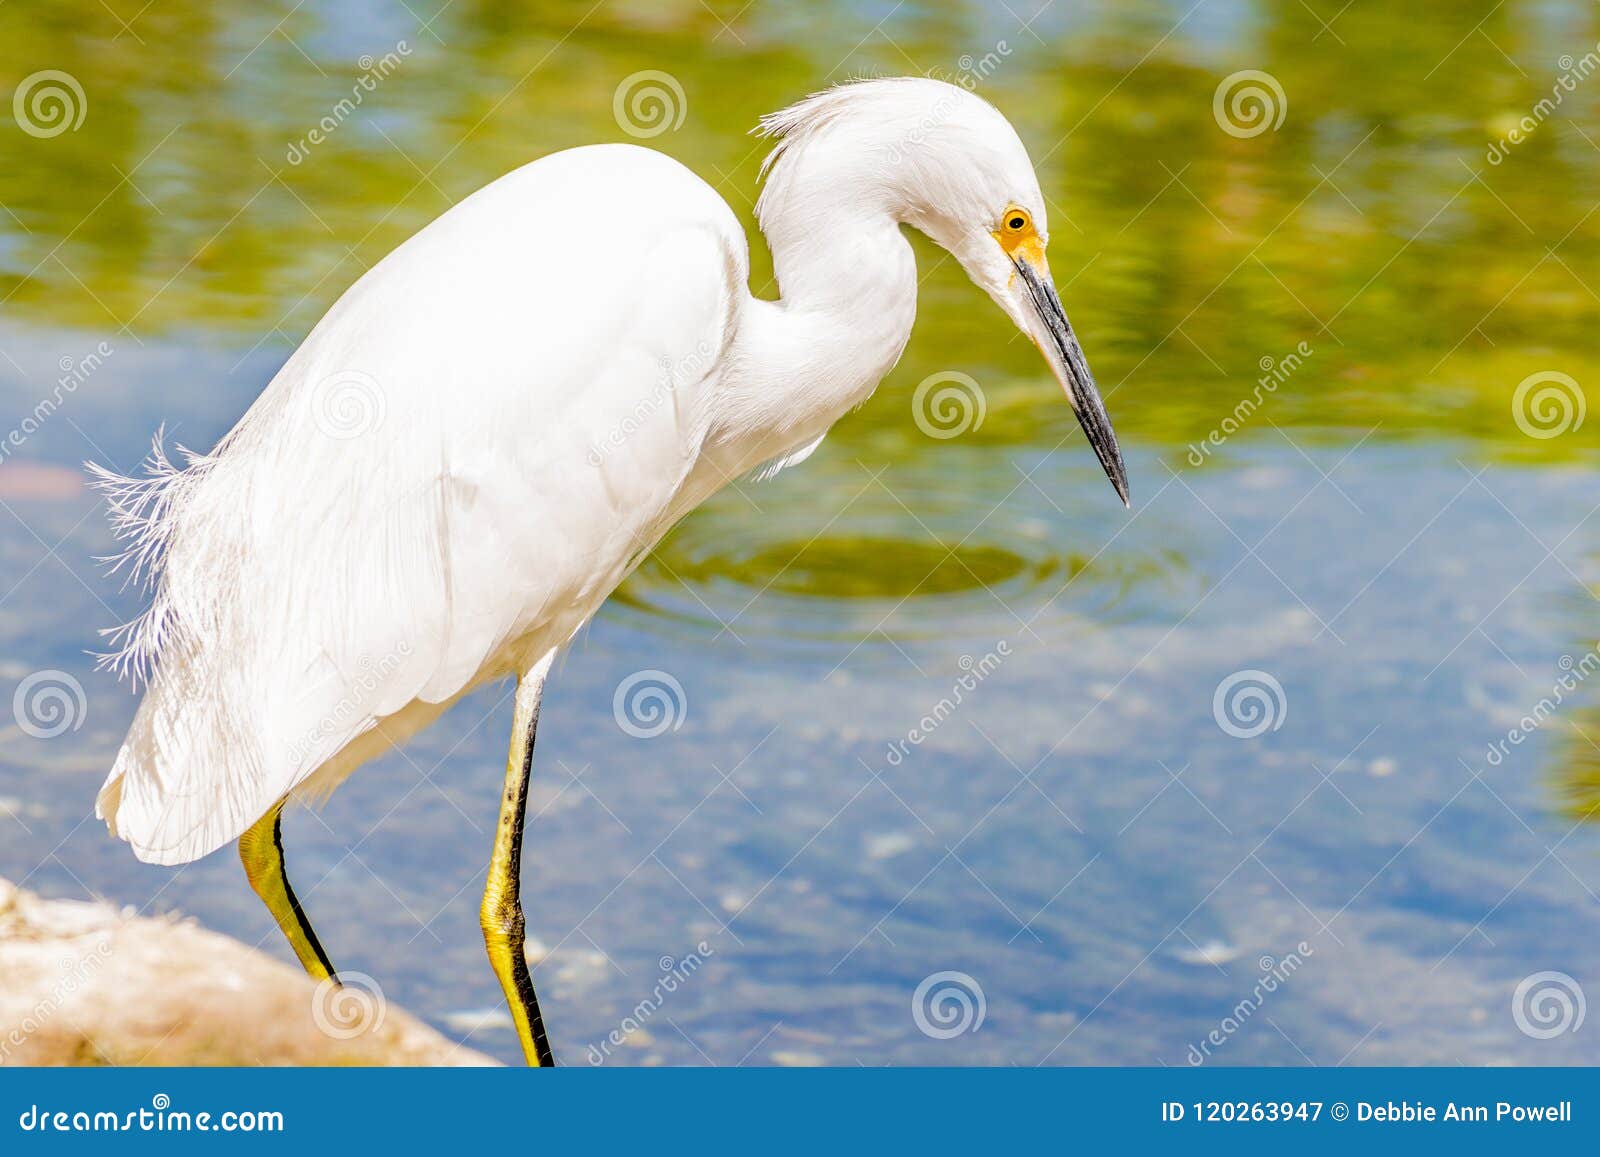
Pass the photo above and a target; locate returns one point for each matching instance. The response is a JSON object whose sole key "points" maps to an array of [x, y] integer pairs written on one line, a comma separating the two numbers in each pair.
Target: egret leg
{"points": [[261, 849], [501, 912]]}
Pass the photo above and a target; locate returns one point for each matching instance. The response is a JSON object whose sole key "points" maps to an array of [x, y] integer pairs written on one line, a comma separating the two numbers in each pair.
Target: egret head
{"points": [[946, 162]]}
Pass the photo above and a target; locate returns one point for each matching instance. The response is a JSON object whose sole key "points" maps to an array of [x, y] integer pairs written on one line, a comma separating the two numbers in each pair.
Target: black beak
{"points": [[1073, 371]]}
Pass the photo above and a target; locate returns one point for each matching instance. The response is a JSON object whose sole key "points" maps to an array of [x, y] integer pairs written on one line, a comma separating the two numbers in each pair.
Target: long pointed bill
{"points": [[1065, 355]]}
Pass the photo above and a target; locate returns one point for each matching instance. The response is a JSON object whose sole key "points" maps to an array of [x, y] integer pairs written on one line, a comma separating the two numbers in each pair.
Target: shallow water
{"points": [[933, 704]]}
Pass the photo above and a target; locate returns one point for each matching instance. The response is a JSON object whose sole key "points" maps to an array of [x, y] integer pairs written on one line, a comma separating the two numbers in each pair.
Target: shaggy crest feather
{"points": [[801, 121], [923, 150], [809, 113]]}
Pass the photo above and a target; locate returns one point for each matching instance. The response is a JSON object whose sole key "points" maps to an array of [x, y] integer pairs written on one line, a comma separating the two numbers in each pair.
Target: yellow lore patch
{"points": [[1020, 240]]}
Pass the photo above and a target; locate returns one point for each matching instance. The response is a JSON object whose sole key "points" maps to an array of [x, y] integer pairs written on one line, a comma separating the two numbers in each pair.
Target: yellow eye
{"points": [[1019, 239]]}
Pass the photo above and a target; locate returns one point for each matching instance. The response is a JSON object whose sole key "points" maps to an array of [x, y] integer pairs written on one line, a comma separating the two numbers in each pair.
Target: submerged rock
{"points": [[85, 984]]}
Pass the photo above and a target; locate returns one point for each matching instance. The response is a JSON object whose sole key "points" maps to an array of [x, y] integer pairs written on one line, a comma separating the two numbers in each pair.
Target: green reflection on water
{"points": [[831, 567], [1578, 775], [1426, 282], [1370, 225], [1577, 768]]}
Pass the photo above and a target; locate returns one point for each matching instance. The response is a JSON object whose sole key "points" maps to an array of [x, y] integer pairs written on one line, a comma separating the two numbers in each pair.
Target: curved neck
{"points": [[847, 281]]}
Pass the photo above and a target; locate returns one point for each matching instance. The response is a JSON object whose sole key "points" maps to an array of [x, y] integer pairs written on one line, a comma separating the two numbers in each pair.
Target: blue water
{"points": [[1084, 860], [1079, 836]]}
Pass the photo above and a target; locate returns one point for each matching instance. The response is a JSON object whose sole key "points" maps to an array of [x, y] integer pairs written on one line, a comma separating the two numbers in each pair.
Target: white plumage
{"points": [[494, 424]]}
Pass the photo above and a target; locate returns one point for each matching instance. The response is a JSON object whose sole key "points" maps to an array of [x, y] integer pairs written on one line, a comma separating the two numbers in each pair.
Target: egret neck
{"points": [[847, 281]]}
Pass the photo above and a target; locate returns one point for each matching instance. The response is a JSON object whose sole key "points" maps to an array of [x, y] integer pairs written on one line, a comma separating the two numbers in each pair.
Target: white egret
{"points": [[495, 423]]}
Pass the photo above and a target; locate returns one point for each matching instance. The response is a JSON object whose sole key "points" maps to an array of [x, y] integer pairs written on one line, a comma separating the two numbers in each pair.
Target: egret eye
{"points": [[1016, 221]]}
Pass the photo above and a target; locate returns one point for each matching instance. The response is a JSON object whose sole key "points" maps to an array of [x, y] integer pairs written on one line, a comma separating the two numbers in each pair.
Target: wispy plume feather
{"points": [[143, 512]]}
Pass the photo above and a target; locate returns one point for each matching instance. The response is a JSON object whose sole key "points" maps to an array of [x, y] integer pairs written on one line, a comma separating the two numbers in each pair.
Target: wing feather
{"points": [[440, 485]]}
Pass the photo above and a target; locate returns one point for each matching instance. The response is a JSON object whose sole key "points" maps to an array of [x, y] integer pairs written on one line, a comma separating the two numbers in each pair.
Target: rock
{"points": [[39, 481], [86, 984]]}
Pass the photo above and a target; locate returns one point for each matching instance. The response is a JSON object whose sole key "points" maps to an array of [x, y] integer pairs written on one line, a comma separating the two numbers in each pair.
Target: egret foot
{"points": [[261, 850]]}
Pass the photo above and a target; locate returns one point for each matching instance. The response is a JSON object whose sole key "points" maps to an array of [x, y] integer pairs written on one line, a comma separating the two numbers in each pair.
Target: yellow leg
{"points": [[261, 849], [501, 913]]}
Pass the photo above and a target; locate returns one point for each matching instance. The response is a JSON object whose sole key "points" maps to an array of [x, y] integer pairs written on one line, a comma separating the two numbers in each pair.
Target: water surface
{"points": [[1409, 567]]}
